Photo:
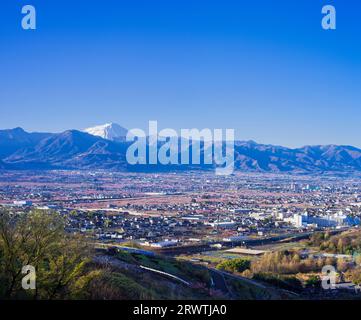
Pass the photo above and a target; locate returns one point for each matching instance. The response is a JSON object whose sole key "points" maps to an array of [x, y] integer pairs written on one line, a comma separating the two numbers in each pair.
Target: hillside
{"points": [[203, 283], [67, 267]]}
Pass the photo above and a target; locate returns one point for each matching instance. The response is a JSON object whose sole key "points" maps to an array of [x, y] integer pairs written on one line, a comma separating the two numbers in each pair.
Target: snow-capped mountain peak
{"points": [[109, 131]]}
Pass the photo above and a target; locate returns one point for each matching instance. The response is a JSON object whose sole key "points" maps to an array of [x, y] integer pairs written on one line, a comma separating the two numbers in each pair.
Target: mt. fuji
{"points": [[110, 131]]}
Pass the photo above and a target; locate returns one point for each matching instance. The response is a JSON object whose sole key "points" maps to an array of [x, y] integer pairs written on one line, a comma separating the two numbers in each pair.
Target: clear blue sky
{"points": [[263, 67]]}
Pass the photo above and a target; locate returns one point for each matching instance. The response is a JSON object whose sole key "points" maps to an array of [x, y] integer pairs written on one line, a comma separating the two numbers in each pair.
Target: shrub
{"points": [[234, 265]]}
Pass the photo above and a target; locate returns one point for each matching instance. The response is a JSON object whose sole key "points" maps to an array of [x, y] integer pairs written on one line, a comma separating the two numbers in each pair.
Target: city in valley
{"points": [[290, 226]]}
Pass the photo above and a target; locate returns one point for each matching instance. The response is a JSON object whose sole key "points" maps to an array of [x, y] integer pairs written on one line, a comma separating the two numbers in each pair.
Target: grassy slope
{"points": [[132, 282]]}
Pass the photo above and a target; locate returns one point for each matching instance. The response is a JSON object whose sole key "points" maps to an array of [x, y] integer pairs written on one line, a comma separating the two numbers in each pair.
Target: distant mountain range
{"points": [[104, 147]]}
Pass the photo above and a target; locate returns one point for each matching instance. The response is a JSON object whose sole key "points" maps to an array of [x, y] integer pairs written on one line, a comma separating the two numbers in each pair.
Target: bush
{"points": [[234, 265], [313, 282]]}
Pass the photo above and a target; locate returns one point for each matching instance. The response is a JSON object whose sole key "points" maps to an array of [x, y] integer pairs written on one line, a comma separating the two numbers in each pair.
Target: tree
{"points": [[234, 265], [313, 282], [354, 275], [340, 246], [38, 239], [342, 265], [330, 261]]}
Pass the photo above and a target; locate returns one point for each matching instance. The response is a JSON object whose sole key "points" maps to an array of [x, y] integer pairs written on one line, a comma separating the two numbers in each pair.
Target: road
{"points": [[114, 262], [234, 276], [218, 282], [218, 277]]}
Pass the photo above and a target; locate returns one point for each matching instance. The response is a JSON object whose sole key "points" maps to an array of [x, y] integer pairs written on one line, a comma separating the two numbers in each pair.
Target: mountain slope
{"points": [[2, 165], [268, 158], [70, 149], [13, 139]]}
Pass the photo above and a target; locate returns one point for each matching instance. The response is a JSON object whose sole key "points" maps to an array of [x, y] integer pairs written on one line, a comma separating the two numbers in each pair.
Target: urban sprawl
{"points": [[187, 210]]}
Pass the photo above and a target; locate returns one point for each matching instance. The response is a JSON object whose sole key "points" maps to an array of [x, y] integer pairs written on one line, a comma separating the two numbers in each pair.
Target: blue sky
{"points": [[263, 67]]}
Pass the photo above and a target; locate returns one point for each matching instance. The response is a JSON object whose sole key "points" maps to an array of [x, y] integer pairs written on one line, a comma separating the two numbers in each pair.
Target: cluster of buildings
{"points": [[161, 210], [328, 220]]}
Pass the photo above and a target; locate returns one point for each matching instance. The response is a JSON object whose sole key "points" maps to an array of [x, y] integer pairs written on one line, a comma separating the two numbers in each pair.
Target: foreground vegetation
{"points": [[296, 267], [68, 268], [38, 239]]}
